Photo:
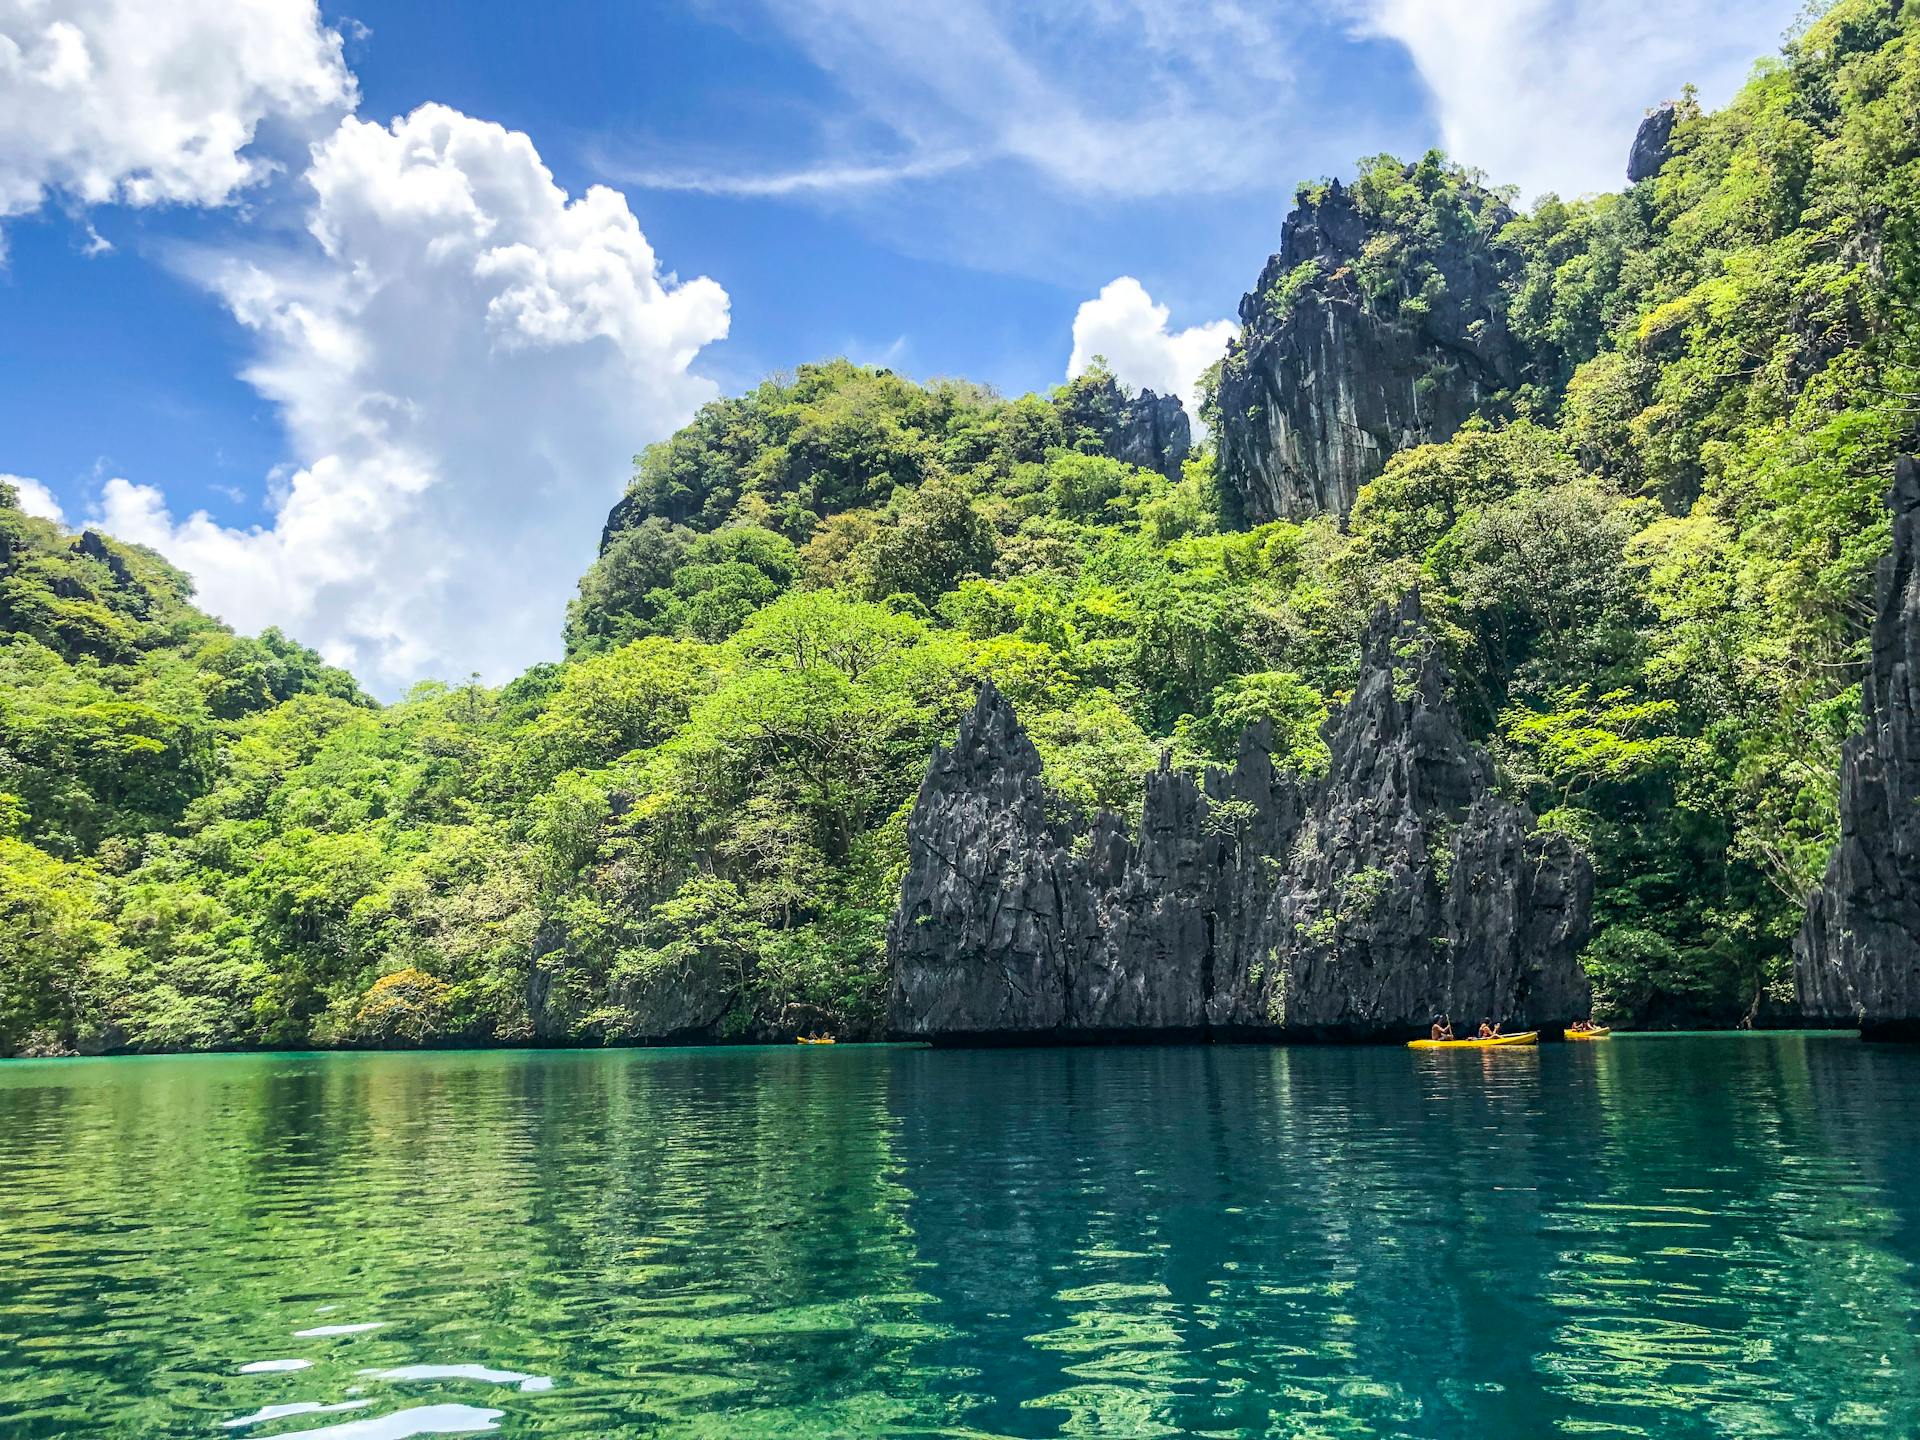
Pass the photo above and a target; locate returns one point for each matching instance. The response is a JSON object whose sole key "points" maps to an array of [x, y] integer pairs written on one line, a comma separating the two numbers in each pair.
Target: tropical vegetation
{"points": [[1650, 563]]}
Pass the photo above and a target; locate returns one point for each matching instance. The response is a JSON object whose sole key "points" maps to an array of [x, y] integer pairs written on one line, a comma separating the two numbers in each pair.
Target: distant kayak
{"points": [[1525, 1037], [808, 1040], [1600, 1034]]}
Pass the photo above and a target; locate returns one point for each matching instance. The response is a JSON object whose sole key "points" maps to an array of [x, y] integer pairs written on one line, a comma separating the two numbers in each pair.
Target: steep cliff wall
{"points": [[1857, 959], [1349, 353], [1251, 903]]}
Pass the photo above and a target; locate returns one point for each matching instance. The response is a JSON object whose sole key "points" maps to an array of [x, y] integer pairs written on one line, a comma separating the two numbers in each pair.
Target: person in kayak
{"points": [[1442, 1028], [1489, 1030]]}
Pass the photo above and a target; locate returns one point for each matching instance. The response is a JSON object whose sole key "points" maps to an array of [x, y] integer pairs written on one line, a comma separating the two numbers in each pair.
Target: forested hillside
{"points": [[1658, 427]]}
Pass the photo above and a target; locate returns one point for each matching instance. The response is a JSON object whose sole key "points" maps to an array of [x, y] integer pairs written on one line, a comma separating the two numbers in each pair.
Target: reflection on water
{"points": [[320, 1330], [484, 1373], [1649, 1237], [281, 1412], [420, 1420]]}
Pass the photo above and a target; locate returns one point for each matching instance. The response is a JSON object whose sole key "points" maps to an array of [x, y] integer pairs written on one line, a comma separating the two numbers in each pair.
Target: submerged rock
{"points": [[1252, 902], [1857, 958], [1652, 144], [1329, 377]]}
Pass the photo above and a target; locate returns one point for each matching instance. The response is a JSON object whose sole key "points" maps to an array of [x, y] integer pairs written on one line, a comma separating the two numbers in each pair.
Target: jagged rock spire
{"points": [[1252, 901]]}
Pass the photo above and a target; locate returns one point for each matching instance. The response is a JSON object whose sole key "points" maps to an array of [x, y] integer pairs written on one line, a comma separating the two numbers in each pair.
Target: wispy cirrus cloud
{"points": [[1131, 99], [807, 180], [1100, 96]]}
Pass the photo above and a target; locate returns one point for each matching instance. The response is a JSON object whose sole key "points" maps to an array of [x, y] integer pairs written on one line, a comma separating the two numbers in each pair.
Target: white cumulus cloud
{"points": [[1546, 94], [144, 104], [35, 498], [1124, 324], [465, 361]]}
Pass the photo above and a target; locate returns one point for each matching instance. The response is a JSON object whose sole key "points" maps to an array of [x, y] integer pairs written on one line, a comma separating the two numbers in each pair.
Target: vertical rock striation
{"points": [[1857, 959], [1251, 903], [1329, 378]]}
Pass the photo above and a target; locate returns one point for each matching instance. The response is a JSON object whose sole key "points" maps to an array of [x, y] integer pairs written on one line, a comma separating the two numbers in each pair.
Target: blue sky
{"points": [[370, 375]]}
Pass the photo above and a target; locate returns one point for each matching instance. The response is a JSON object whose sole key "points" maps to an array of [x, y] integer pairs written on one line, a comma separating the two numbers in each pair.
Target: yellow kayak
{"points": [[1600, 1034], [1525, 1037], [823, 1040]]}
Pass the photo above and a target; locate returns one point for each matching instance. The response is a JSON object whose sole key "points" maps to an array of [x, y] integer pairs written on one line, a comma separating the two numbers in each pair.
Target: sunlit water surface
{"points": [[1708, 1236]]}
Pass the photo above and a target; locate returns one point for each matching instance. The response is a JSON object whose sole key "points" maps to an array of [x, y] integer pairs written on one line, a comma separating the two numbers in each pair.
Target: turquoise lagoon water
{"points": [[1688, 1236]]}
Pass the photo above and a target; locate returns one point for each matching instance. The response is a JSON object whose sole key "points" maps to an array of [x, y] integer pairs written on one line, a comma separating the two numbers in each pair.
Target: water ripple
{"points": [[1664, 1238]]}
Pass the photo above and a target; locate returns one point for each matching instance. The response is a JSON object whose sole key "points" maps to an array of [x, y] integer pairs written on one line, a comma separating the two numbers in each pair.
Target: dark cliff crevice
{"points": [[1857, 958], [1253, 903]]}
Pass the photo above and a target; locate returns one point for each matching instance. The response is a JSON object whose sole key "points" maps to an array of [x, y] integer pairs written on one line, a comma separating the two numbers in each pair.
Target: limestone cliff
{"points": [[1148, 430], [1251, 902], [1857, 959], [1154, 433], [1360, 339]]}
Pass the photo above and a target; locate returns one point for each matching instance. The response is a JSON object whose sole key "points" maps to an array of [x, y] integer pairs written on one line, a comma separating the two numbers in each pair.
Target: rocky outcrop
{"points": [[1337, 367], [1148, 430], [1251, 902], [1652, 144], [1153, 432], [629, 512], [93, 545], [1857, 958]]}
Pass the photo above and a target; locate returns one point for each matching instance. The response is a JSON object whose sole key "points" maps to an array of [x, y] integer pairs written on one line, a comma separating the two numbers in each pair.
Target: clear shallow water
{"points": [[1709, 1236]]}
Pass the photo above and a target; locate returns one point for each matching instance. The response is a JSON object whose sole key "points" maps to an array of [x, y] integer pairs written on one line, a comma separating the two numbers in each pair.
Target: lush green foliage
{"points": [[1650, 564], [117, 699], [1750, 318]]}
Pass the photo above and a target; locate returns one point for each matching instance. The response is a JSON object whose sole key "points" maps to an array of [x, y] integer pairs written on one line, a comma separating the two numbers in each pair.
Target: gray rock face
{"points": [[1327, 380], [1251, 903], [1857, 958], [1652, 144], [1148, 430], [1154, 433]]}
